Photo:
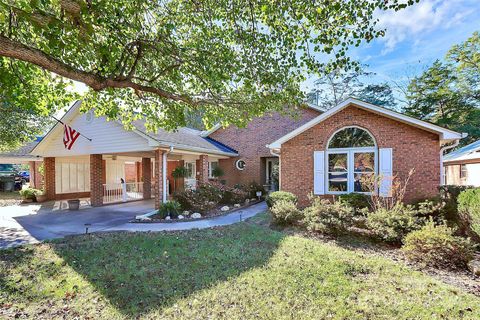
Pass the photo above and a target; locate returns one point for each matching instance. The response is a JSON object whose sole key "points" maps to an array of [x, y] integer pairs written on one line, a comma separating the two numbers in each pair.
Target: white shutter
{"points": [[386, 171], [318, 172]]}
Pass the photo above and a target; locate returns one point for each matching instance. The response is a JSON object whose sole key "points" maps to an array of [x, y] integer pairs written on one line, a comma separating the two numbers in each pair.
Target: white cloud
{"points": [[420, 19]]}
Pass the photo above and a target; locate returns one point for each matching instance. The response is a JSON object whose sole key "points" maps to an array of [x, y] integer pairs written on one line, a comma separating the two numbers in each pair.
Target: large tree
{"points": [[229, 59], [338, 85], [28, 97], [447, 93]]}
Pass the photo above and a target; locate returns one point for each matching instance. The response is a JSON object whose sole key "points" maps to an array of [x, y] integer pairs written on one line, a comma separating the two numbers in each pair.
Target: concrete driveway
{"points": [[31, 223]]}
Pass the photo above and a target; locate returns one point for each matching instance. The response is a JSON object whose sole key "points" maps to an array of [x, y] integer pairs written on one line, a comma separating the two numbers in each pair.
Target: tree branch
{"points": [[13, 49]]}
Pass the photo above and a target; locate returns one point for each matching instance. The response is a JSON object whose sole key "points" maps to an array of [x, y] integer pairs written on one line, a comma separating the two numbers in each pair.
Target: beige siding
{"points": [[107, 137]]}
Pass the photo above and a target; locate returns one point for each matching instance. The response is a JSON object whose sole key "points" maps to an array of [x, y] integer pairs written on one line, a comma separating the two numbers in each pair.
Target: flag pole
{"points": [[77, 131]]}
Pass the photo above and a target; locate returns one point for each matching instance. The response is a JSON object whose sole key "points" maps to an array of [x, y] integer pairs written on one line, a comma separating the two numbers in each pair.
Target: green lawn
{"points": [[243, 271]]}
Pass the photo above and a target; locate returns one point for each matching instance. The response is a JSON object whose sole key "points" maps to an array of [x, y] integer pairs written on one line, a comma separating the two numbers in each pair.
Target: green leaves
{"points": [[228, 60]]}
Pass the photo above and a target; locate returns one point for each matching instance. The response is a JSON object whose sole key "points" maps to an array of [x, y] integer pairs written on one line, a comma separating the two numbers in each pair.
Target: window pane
{"points": [[362, 182], [351, 138], [337, 181], [364, 162], [338, 162]]}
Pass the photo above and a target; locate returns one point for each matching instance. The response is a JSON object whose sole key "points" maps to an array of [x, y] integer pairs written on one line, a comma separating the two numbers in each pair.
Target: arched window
{"points": [[352, 160]]}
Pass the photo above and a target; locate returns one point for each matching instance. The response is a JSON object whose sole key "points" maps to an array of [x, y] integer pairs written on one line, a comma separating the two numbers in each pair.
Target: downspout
{"points": [[442, 150], [164, 174], [272, 152]]}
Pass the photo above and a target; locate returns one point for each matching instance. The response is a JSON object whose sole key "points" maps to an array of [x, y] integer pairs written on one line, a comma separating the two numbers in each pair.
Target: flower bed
{"points": [[184, 217]]}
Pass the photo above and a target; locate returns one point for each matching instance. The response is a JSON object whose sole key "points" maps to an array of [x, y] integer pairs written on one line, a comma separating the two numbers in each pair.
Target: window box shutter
{"points": [[386, 171], [318, 172]]}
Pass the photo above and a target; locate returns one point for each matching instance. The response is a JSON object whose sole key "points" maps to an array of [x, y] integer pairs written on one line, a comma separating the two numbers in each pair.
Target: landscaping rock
{"points": [[247, 200], [224, 208], [180, 217], [144, 219], [167, 218], [237, 205], [253, 199], [196, 215], [474, 267], [186, 213]]}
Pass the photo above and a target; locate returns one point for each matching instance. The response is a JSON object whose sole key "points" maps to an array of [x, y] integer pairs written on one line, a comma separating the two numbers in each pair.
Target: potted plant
{"points": [[29, 194], [41, 197], [73, 204], [217, 172]]}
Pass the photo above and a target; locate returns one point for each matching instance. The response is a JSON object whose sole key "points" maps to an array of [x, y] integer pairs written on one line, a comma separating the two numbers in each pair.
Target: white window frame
{"points": [[210, 169], [463, 172], [350, 162], [193, 171]]}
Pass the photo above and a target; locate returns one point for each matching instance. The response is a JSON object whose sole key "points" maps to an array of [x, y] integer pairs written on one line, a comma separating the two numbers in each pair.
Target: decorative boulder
{"points": [[253, 199], [225, 208], [167, 218], [236, 205], [145, 219], [247, 200], [196, 215], [180, 217], [474, 267], [186, 213]]}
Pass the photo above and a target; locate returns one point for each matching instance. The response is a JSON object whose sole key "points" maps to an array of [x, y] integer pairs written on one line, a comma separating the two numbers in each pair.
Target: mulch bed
{"points": [[213, 213]]}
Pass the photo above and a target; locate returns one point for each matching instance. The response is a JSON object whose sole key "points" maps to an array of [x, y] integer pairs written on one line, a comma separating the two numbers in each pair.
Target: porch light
{"points": [[259, 194]]}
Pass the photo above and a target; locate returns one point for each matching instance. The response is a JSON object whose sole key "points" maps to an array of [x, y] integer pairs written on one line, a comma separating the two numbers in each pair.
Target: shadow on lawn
{"points": [[138, 273]]}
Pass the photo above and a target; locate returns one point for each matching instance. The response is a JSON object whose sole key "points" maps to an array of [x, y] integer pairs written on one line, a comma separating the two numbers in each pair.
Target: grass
{"points": [[241, 271], [9, 198]]}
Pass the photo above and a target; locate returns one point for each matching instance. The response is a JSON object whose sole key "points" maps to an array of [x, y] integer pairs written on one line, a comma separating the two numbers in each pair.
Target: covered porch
{"points": [[124, 177]]}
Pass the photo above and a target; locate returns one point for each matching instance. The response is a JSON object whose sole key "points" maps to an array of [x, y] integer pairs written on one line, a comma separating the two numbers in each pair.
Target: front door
{"points": [[271, 177]]}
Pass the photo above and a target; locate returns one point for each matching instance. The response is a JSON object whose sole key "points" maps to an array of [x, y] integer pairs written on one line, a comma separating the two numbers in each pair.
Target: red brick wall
{"points": [[412, 148], [146, 172], [96, 180], [131, 172], [49, 178], [202, 169], [250, 142]]}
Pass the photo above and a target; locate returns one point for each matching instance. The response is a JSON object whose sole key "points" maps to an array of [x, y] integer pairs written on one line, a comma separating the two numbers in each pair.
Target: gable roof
{"points": [[445, 134], [470, 151], [206, 133], [184, 138]]}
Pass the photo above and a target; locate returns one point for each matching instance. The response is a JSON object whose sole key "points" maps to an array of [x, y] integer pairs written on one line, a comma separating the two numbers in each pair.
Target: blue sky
{"points": [[417, 36]]}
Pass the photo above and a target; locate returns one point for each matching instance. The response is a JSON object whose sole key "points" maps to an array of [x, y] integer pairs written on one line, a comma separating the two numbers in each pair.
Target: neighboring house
{"points": [[22, 156], [324, 153], [328, 155], [462, 166]]}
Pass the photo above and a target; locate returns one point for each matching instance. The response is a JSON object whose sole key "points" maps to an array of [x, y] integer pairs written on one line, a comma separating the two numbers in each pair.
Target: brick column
{"points": [[158, 178], [202, 170], [33, 174], [147, 178], [96, 180], [49, 179]]}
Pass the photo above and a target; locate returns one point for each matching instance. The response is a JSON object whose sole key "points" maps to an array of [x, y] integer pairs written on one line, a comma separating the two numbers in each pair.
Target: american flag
{"points": [[69, 136]]}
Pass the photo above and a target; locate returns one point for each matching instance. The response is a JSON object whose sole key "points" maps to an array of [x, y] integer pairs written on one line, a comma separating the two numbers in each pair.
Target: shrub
{"points": [[206, 197], [357, 201], [252, 189], [394, 224], [285, 212], [326, 217], [436, 246], [469, 210], [30, 193], [217, 172], [449, 196], [169, 208], [276, 196]]}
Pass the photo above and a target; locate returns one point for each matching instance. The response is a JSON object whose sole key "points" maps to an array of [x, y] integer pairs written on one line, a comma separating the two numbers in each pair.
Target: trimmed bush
{"points": [[469, 210], [253, 187], [276, 196], [326, 217], [436, 246], [357, 201], [30, 193], [169, 208], [449, 196], [392, 225], [285, 212]]}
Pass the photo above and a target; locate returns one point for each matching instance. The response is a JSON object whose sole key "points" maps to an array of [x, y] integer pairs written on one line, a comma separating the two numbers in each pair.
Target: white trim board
{"points": [[445, 134]]}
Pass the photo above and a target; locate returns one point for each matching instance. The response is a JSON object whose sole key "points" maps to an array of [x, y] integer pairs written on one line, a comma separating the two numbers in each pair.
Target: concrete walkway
{"points": [[33, 223]]}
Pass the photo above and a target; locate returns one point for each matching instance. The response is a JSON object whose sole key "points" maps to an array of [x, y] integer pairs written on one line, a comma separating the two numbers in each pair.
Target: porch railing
{"points": [[122, 192]]}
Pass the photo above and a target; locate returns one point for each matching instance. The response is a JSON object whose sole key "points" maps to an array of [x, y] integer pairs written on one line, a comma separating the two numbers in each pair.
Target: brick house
{"points": [[462, 167], [354, 138]]}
